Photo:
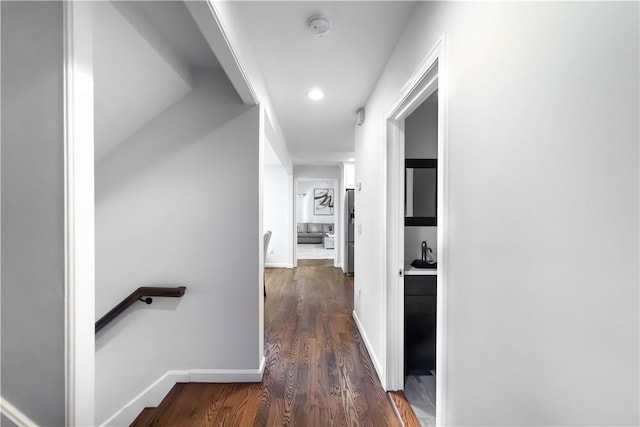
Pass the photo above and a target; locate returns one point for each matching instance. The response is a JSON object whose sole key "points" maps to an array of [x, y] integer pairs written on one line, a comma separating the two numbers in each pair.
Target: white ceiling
{"points": [[345, 64], [144, 52], [174, 22], [133, 82]]}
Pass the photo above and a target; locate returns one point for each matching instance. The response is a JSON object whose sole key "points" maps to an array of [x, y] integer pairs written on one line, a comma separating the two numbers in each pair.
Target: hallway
{"points": [[317, 372]]}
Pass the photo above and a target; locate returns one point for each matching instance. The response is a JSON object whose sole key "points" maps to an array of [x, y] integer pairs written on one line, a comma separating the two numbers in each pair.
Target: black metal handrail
{"points": [[137, 295]]}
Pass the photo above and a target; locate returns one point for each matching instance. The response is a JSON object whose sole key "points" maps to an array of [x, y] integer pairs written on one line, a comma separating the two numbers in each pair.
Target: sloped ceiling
{"points": [[143, 54]]}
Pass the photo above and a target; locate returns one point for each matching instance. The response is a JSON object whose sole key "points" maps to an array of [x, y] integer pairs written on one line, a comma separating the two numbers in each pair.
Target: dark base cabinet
{"points": [[419, 324]]}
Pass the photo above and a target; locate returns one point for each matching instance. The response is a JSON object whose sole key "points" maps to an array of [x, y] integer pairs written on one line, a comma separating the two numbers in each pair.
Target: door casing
{"points": [[419, 87], [79, 215], [337, 215]]}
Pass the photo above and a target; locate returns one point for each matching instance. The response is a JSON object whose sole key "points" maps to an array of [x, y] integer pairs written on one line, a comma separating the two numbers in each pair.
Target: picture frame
{"points": [[323, 201]]}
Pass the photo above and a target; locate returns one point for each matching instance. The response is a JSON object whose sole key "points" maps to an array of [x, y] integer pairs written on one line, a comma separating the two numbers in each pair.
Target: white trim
{"points": [[152, 395], [262, 136], [367, 344], [79, 215], [413, 93], [294, 224], [337, 205], [218, 39], [15, 415], [227, 375], [393, 253], [442, 366], [149, 397], [278, 265]]}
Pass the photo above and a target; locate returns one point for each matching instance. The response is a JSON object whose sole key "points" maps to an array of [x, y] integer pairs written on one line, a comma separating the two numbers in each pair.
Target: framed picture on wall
{"points": [[323, 201]]}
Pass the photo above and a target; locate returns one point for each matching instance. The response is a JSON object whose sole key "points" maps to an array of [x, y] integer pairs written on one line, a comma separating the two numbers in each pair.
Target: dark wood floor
{"points": [[403, 408], [317, 373]]}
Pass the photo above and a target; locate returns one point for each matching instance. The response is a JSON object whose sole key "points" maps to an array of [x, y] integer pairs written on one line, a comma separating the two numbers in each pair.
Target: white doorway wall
{"points": [[429, 77], [277, 209], [348, 182], [304, 212]]}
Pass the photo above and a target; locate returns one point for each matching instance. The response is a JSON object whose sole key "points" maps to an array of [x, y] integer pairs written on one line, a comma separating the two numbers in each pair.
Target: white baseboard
{"points": [[153, 395], [278, 265], [227, 375], [15, 415], [367, 344]]}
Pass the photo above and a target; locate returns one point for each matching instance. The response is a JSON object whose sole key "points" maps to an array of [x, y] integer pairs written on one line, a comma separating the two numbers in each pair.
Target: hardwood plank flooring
{"points": [[404, 409], [145, 418], [317, 370]]}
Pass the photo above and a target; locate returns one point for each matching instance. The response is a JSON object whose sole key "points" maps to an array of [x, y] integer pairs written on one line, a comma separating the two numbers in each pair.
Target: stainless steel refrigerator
{"points": [[350, 234]]}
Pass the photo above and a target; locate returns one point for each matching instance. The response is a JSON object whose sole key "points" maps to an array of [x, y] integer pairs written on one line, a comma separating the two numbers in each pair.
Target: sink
{"points": [[418, 263]]}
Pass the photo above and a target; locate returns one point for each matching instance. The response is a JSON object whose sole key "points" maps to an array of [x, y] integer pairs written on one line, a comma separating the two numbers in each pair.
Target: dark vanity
{"points": [[420, 293], [420, 284]]}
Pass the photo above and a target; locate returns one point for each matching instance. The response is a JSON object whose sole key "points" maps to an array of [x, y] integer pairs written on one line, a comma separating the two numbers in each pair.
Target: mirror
{"points": [[421, 192]]}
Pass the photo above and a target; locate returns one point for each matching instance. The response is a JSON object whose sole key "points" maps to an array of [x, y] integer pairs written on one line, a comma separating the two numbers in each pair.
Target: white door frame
{"points": [[414, 92], [79, 213], [337, 229]]}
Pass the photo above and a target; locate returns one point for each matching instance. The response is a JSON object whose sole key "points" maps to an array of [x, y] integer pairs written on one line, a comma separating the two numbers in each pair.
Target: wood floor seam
{"points": [[317, 369]]}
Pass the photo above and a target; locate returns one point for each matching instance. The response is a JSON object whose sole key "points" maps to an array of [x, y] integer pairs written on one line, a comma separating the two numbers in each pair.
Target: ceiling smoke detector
{"points": [[319, 25]]}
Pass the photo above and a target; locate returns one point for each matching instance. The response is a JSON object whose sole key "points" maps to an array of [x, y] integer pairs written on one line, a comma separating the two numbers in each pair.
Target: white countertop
{"points": [[412, 271]]}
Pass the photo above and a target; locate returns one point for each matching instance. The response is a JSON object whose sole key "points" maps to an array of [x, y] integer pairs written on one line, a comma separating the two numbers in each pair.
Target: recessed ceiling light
{"points": [[351, 159], [315, 94]]}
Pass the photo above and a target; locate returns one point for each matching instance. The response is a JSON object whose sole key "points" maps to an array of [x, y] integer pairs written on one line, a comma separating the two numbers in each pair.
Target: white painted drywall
{"points": [[33, 322], [304, 198], [137, 75], [237, 37], [166, 214], [421, 130], [413, 238], [6, 422], [348, 175], [278, 215], [543, 214], [303, 173], [311, 172]]}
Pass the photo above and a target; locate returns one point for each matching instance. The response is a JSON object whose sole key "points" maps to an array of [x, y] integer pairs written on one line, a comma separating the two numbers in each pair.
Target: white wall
{"points": [[166, 215], [231, 20], [303, 173], [278, 215], [134, 79], [413, 238], [349, 175], [421, 130], [305, 211], [33, 323], [311, 172], [543, 209]]}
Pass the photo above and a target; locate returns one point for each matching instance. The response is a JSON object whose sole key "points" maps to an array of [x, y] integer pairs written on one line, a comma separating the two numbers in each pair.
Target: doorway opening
{"points": [[420, 254], [416, 230], [316, 210]]}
